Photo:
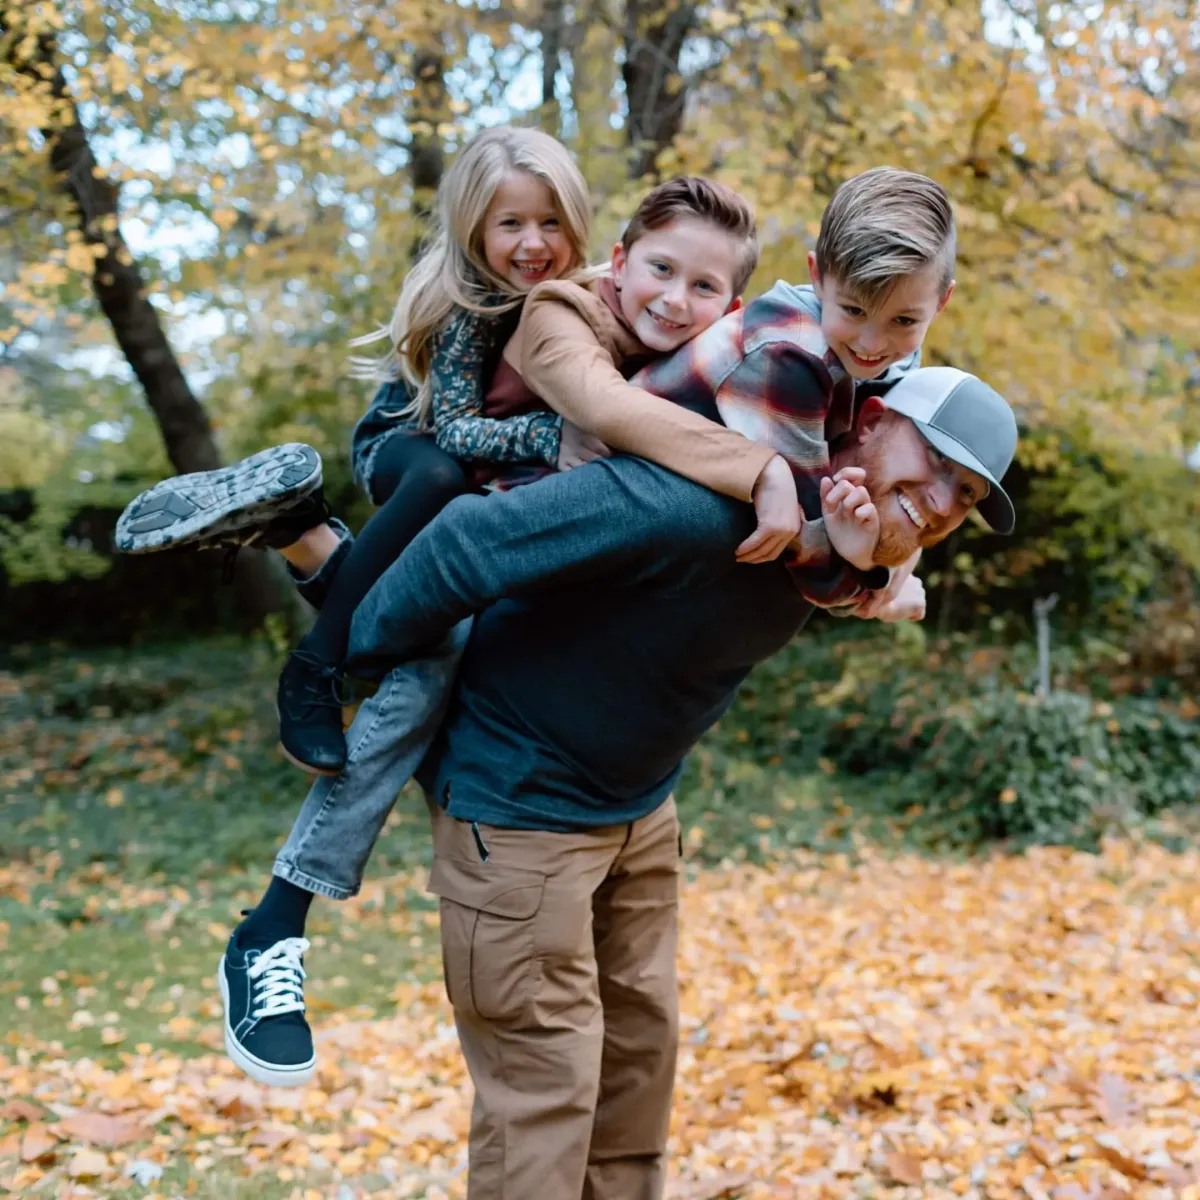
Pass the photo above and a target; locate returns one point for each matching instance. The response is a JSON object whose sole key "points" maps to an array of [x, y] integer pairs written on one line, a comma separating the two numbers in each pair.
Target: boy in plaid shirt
{"points": [[788, 369]]}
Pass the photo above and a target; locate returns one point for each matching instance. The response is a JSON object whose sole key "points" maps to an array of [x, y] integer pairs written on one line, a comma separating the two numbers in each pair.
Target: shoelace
{"points": [[278, 978], [326, 690]]}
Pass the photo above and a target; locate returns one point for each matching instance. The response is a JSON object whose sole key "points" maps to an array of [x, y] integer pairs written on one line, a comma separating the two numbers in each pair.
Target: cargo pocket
{"points": [[488, 916]]}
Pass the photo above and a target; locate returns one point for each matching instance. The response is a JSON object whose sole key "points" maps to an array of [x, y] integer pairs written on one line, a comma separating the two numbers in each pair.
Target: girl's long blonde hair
{"points": [[451, 271]]}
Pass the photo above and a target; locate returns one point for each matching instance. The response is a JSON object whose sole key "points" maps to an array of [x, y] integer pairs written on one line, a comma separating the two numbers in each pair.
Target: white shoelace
{"points": [[278, 977]]}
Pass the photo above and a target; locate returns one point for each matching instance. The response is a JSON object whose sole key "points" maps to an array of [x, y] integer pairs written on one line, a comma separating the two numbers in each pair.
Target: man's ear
{"points": [[946, 296], [870, 413], [618, 262], [815, 275], [734, 304]]}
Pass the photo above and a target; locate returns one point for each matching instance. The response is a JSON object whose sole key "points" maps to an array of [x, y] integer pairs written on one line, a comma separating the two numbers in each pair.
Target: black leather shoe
{"points": [[310, 703]]}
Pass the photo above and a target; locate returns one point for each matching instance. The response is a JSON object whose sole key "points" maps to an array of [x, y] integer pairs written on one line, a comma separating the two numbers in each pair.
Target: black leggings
{"points": [[415, 481]]}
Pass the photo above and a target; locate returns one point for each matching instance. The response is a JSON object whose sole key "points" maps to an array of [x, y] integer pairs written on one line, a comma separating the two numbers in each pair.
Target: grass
{"points": [[142, 798]]}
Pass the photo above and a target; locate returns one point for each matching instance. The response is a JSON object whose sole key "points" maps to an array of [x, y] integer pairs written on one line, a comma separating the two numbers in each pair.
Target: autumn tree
{"points": [[277, 169]]}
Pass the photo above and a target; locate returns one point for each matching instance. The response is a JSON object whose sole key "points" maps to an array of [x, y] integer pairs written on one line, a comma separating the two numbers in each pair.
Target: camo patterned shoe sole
{"points": [[225, 507]]}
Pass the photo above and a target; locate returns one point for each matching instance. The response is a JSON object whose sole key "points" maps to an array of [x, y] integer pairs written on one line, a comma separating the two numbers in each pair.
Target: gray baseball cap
{"points": [[970, 423]]}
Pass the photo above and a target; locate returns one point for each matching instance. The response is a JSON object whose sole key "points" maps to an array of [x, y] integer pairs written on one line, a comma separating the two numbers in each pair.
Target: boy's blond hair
{"points": [[706, 200], [452, 272], [883, 225]]}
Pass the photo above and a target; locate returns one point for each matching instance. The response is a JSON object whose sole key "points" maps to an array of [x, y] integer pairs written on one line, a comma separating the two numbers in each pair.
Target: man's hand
{"points": [[778, 509], [908, 604], [851, 519], [876, 601], [576, 446]]}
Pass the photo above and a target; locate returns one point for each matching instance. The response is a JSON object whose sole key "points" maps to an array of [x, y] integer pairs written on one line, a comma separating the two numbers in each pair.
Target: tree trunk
{"points": [[654, 86], [426, 155], [119, 288], [551, 25]]}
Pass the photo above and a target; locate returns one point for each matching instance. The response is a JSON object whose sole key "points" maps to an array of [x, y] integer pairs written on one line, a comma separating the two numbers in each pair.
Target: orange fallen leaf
{"points": [[272, 1139], [1044, 1151], [904, 1168], [237, 1109], [87, 1164], [20, 1110], [1129, 1167], [99, 1129], [37, 1142]]}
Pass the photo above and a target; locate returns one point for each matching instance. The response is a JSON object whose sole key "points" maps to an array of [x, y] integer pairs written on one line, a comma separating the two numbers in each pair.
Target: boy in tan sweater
{"points": [[782, 370], [680, 267]]}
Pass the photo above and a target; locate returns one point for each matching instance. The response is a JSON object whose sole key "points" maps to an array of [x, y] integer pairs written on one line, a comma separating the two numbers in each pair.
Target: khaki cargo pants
{"points": [[559, 957]]}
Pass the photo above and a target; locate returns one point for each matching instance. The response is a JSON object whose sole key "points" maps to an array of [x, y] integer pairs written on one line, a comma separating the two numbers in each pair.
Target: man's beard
{"points": [[899, 538]]}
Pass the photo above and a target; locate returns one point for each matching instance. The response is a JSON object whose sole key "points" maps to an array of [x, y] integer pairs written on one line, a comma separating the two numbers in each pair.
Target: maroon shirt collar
{"points": [[609, 294]]}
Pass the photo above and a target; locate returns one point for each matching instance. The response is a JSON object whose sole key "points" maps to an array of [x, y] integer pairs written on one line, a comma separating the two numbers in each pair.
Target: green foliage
{"points": [[946, 738], [1115, 533], [1007, 764], [1051, 769]]}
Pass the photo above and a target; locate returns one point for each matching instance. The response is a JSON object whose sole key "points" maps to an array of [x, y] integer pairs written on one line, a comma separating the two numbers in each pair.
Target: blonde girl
{"points": [[513, 210]]}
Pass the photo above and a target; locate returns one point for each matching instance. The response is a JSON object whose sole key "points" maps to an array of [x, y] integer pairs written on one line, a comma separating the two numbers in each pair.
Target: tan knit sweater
{"points": [[571, 343]]}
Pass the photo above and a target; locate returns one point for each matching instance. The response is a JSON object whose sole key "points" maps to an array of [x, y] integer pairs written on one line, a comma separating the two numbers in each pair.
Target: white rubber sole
{"points": [[262, 1072], [205, 507]]}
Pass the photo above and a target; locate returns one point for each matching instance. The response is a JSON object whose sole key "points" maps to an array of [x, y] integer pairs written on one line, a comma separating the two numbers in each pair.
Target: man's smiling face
{"points": [[921, 495]]}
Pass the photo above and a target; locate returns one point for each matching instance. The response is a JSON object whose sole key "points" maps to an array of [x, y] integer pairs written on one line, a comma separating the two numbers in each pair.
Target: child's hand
{"points": [[778, 510], [876, 602], [576, 446], [907, 605], [851, 519]]}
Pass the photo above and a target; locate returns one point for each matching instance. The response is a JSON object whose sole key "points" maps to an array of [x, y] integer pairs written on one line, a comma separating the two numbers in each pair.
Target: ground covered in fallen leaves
{"points": [[1002, 1027]]}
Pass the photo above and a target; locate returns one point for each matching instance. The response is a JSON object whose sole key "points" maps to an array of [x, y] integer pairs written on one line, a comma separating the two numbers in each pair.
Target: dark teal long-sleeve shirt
{"points": [[614, 629]]}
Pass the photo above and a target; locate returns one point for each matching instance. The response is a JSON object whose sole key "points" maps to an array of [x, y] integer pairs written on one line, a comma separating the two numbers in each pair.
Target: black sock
{"points": [[421, 480], [281, 913]]}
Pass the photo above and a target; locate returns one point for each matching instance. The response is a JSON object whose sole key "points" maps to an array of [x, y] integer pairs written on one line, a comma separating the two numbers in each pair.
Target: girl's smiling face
{"points": [[524, 241]]}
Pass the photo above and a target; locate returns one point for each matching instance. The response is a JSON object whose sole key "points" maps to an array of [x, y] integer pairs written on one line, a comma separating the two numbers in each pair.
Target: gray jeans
{"points": [[342, 815]]}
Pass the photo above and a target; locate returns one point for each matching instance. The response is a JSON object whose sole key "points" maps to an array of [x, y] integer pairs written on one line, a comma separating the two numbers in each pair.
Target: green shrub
{"points": [[1006, 764]]}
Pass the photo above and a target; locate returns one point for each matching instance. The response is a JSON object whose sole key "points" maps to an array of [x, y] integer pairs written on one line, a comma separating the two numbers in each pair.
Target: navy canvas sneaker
{"points": [[266, 1033], [228, 507]]}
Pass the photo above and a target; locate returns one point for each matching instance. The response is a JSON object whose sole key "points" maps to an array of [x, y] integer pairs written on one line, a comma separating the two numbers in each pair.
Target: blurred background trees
{"points": [[202, 202]]}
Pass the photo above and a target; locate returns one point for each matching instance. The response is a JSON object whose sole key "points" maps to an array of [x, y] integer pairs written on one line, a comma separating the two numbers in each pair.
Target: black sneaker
{"points": [[266, 1034], [310, 701], [231, 506]]}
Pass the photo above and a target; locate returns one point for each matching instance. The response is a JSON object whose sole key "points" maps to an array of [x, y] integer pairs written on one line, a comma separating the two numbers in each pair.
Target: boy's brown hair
{"points": [[883, 225], [706, 200]]}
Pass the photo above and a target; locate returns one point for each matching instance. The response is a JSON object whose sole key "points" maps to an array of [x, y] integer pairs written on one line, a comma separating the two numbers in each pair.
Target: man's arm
{"points": [[622, 521]]}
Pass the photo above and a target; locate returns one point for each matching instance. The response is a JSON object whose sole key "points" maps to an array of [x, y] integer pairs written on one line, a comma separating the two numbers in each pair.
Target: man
{"points": [[615, 627]]}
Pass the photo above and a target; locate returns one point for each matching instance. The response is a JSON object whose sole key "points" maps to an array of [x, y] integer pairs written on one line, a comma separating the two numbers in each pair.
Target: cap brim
{"points": [[995, 508]]}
